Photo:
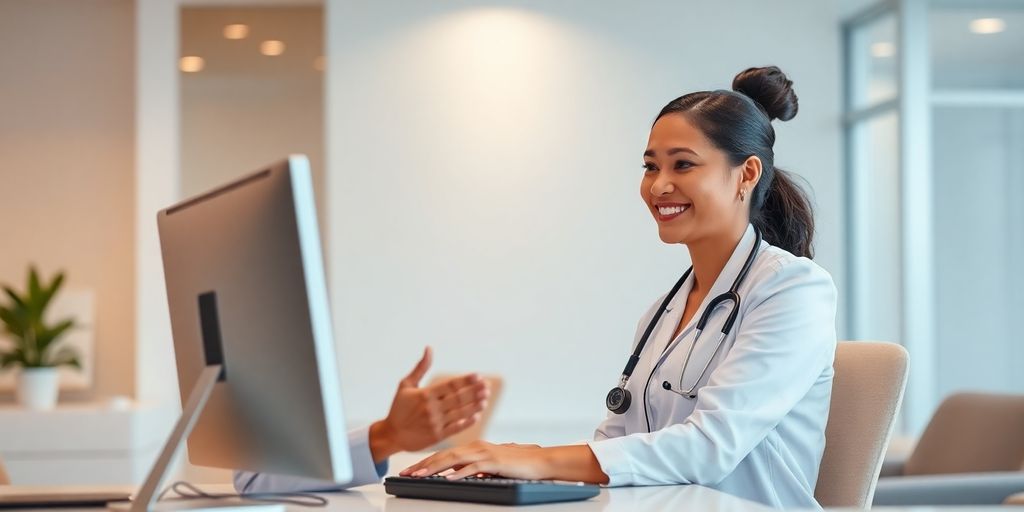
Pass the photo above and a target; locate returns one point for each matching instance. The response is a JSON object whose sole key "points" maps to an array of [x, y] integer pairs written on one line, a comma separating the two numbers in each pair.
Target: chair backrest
{"points": [[4, 479], [866, 394], [475, 432], [971, 432]]}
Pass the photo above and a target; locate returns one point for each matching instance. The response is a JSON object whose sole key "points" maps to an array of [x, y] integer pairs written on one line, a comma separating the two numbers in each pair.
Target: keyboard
{"points": [[496, 490]]}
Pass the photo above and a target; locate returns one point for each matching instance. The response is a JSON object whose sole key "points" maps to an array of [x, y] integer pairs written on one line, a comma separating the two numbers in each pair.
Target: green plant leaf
{"points": [[12, 323], [35, 290], [12, 358], [66, 356], [49, 291], [18, 301], [46, 336]]}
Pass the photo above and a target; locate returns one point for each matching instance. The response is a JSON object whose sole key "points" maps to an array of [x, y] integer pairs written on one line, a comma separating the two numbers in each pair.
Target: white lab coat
{"points": [[364, 471], [757, 427]]}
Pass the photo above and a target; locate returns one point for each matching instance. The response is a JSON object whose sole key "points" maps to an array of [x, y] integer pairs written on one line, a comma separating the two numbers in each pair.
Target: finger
{"points": [[465, 411], [413, 468], [459, 425], [413, 379], [463, 396], [470, 470], [450, 459], [454, 384], [419, 469]]}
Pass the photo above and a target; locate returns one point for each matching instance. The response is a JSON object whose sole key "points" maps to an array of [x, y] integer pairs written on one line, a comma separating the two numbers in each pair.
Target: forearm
{"points": [[575, 463]]}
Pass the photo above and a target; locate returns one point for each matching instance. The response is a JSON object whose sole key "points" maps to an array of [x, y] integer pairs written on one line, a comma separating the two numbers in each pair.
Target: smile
{"points": [[669, 212]]}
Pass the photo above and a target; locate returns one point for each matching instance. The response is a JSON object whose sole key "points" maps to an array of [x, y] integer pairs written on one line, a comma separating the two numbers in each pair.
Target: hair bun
{"points": [[769, 88]]}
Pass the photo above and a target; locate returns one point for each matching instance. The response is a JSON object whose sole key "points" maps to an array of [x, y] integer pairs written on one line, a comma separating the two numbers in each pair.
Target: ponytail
{"points": [[785, 219]]}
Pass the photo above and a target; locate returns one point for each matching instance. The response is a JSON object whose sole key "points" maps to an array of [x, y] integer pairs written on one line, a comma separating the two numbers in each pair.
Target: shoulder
{"points": [[777, 273]]}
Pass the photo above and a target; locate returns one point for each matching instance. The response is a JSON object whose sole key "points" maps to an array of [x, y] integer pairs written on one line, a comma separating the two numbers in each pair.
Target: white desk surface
{"points": [[372, 498]]}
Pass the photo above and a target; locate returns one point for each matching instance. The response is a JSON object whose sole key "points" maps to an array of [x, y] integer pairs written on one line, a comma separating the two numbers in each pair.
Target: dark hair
{"points": [[739, 123]]}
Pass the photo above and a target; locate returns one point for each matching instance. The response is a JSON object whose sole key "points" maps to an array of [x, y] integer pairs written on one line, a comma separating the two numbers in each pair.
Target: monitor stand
{"points": [[146, 499]]}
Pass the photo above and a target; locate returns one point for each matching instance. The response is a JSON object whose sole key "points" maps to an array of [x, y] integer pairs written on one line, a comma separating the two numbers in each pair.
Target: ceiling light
{"points": [[987, 25], [236, 31], [191, 64], [272, 48], [319, 63], [883, 50]]}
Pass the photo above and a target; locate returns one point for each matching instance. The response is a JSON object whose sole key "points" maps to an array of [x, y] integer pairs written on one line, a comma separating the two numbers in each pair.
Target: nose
{"points": [[662, 185]]}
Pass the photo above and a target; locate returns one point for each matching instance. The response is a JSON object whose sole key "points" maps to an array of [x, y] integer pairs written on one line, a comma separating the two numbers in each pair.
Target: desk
{"points": [[372, 498]]}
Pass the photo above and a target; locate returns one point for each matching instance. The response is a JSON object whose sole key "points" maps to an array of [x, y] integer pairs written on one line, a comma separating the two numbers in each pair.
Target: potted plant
{"points": [[35, 343]]}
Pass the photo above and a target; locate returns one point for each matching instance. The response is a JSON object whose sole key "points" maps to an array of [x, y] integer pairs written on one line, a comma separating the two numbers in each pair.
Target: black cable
{"points": [[191, 492]]}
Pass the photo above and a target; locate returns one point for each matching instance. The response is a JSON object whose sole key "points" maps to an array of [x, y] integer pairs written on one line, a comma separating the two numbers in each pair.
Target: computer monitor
{"points": [[252, 329]]}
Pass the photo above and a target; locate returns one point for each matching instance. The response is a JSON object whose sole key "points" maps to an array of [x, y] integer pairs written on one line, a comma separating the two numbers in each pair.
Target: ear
{"points": [[750, 173]]}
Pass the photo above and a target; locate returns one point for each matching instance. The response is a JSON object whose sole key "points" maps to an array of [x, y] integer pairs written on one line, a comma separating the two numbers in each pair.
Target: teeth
{"points": [[672, 210]]}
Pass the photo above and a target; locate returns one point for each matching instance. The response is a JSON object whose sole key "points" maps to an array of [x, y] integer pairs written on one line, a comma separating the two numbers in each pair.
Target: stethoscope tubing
{"points": [[730, 296]]}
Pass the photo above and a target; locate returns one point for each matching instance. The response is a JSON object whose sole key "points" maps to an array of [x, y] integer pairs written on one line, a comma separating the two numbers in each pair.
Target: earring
{"points": [[743, 194]]}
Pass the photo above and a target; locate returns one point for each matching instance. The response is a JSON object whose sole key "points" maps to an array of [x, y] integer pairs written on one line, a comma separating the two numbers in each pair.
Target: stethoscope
{"points": [[618, 399]]}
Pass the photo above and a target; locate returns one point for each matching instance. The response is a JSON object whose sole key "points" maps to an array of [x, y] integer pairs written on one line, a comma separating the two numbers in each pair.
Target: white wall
{"points": [[483, 180]]}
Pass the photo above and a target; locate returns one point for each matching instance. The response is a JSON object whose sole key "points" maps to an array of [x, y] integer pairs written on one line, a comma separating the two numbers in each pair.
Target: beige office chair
{"points": [[971, 453], [866, 394], [476, 432], [1016, 499], [971, 433], [4, 479]]}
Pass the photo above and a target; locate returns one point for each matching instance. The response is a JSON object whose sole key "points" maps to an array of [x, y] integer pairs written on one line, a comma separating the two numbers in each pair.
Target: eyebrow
{"points": [[672, 151]]}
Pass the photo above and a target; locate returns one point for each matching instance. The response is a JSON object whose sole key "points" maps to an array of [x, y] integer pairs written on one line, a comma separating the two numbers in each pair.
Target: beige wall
{"points": [[66, 161]]}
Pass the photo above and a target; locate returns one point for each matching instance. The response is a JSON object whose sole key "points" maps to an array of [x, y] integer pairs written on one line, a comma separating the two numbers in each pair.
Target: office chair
{"points": [[4, 479], [971, 453], [867, 391]]}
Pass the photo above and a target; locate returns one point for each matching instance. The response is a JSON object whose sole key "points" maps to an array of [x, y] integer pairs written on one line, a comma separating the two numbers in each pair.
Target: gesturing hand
{"points": [[420, 417]]}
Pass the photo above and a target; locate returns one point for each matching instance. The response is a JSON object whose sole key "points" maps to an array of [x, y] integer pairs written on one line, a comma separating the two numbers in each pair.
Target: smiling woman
{"points": [[753, 421]]}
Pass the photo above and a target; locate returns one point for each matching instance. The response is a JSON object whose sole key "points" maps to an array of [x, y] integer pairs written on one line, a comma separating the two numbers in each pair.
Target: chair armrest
{"points": [[892, 467], [953, 489], [1016, 499]]}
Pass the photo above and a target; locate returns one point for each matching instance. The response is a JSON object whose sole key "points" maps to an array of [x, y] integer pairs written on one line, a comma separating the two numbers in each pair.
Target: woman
{"points": [[746, 413]]}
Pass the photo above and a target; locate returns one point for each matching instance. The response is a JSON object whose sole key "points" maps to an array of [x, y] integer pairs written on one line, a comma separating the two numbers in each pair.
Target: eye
{"points": [[683, 164], [649, 167]]}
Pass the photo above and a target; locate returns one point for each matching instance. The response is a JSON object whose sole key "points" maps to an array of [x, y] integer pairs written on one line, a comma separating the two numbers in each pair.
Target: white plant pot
{"points": [[38, 388]]}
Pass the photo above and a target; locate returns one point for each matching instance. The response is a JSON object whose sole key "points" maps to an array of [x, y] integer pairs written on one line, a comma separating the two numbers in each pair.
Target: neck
{"points": [[709, 256]]}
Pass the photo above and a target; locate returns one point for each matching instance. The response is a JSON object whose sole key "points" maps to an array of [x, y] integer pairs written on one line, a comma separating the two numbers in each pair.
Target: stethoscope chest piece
{"points": [[618, 400]]}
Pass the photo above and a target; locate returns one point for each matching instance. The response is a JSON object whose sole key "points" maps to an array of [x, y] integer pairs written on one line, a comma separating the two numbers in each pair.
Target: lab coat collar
{"points": [[725, 278]]}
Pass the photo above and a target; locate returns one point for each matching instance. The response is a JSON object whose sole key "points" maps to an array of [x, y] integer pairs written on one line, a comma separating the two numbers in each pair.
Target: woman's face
{"points": [[689, 185]]}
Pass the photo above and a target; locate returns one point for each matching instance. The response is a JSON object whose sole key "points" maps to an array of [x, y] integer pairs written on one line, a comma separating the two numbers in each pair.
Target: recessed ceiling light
{"points": [[319, 63], [883, 50], [272, 48], [236, 31], [191, 64], [987, 25]]}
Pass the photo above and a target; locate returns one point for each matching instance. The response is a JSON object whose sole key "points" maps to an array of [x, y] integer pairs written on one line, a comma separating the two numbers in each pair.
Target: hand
{"points": [[421, 417], [509, 460]]}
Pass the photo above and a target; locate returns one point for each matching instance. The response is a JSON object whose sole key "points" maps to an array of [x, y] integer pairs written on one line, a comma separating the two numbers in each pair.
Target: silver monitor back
{"points": [[245, 288]]}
